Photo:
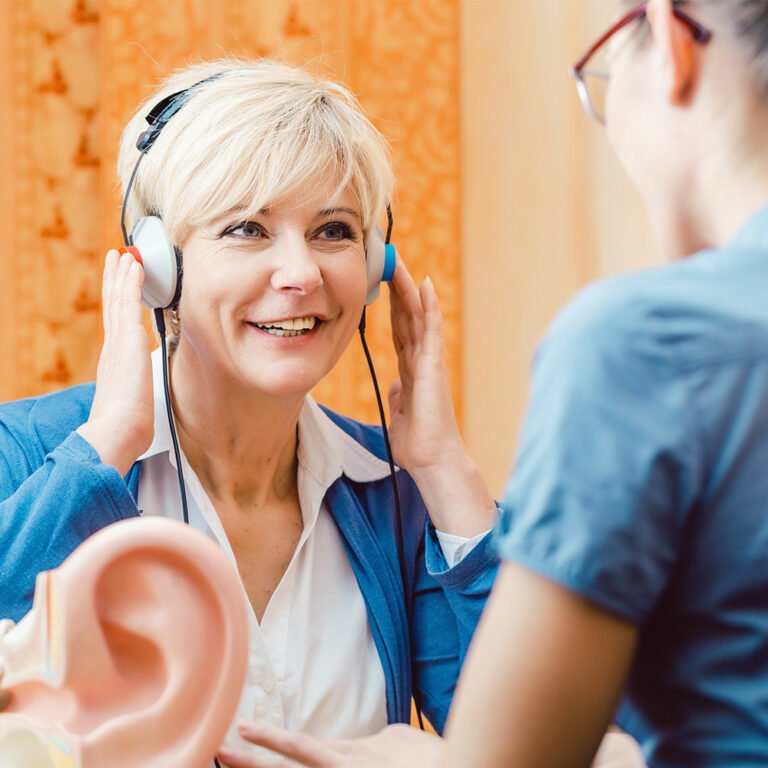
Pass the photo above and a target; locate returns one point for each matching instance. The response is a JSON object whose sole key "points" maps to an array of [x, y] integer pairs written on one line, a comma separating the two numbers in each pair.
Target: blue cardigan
{"points": [[55, 492]]}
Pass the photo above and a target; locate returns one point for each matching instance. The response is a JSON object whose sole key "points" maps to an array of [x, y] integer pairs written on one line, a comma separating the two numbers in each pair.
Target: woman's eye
{"points": [[248, 229], [337, 230]]}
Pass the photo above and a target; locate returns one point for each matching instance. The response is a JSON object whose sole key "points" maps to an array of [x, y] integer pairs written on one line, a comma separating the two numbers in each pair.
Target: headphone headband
{"points": [[163, 282], [164, 110]]}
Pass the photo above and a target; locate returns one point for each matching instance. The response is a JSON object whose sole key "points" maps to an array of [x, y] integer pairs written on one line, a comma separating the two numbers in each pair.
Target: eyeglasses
{"points": [[592, 83]]}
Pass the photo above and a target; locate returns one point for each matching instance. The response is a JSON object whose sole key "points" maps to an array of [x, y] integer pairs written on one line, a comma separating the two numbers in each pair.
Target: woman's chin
{"points": [[290, 381]]}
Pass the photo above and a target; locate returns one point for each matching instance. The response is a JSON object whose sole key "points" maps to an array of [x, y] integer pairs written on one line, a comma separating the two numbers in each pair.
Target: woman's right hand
{"points": [[121, 423]]}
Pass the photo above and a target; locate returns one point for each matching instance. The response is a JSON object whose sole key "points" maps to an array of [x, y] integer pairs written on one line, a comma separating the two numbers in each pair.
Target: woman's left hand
{"points": [[423, 431], [397, 746]]}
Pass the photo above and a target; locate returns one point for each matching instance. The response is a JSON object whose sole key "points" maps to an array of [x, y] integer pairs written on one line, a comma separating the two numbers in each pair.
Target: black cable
{"points": [[125, 200], [398, 509], [160, 322]]}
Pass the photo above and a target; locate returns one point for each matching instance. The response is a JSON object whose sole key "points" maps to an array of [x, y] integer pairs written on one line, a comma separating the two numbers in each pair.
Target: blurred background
{"points": [[507, 194]]}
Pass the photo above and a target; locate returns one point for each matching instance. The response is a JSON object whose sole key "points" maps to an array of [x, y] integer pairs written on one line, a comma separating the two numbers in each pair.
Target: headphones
{"points": [[162, 260]]}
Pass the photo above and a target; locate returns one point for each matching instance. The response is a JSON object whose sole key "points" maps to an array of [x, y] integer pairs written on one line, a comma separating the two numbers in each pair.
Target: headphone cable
{"points": [[398, 509], [126, 238], [160, 322]]}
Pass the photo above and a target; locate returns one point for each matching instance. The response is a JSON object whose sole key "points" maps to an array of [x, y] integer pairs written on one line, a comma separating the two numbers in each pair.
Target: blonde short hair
{"points": [[250, 137]]}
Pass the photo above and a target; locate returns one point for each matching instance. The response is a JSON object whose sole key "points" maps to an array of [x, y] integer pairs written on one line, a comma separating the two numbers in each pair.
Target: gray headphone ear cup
{"points": [[374, 263], [161, 261]]}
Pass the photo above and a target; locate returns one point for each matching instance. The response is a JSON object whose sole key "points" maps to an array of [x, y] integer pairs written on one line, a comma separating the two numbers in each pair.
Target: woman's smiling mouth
{"points": [[297, 326]]}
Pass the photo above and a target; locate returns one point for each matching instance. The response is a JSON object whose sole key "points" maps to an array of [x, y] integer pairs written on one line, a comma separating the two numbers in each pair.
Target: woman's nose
{"points": [[296, 266]]}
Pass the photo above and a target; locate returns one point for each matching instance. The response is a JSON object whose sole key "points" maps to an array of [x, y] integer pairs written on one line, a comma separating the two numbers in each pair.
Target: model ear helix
{"points": [[134, 653]]}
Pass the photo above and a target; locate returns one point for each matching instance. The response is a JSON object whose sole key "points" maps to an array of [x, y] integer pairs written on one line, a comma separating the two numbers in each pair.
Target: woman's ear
{"points": [[145, 628], [678, 54]]}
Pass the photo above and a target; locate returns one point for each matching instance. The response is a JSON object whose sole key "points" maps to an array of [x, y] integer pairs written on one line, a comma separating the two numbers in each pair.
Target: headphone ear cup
{"points": [[177, 293], [380, 261], [161, 261]]}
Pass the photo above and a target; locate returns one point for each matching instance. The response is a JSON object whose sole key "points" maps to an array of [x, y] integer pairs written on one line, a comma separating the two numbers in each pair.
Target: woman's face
{"points": [[271, 303]]}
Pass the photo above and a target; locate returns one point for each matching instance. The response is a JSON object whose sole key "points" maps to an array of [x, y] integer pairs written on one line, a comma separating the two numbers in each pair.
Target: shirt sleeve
{"points": [[456, 548], [607, 467], [47, 510], [447, 604]]}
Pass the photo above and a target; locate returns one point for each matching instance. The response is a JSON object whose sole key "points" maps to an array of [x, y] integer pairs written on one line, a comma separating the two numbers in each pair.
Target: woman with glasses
{"points": [[635, 534]]}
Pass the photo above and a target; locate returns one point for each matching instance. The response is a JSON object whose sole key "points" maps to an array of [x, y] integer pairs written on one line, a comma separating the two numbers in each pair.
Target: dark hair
{"points": [[747, 21]]}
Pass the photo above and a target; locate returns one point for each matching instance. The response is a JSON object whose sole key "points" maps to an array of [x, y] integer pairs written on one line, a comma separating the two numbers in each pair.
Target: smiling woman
{"points": [[269, 184]]}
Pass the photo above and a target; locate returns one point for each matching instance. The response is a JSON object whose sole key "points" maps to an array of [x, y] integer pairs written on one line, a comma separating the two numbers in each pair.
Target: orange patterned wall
{"points": [[71, 71]]}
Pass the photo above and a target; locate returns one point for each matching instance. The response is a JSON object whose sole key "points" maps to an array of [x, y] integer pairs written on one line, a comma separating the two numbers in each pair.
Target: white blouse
{"points": [[313, 664]]}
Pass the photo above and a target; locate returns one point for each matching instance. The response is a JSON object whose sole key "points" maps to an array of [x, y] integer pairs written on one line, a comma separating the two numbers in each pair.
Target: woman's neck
{"points": [[724, 188], [242, 445]]}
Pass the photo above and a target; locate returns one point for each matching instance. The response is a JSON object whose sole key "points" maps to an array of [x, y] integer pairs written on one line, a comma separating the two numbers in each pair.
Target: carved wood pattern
{"points": [[50, 205], [77, 68]]}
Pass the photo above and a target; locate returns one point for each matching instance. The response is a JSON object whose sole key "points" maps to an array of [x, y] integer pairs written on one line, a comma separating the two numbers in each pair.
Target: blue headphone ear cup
{"points": [[161, 261], [380, 261]]}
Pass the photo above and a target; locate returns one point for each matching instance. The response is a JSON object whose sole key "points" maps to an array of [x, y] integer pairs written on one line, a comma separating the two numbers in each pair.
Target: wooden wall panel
{"points": [[50, 207], [546, 206], [77, 68]]}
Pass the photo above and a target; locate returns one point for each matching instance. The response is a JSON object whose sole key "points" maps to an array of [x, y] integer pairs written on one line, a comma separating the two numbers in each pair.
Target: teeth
{"points": [[281, 332], [291, 327]]}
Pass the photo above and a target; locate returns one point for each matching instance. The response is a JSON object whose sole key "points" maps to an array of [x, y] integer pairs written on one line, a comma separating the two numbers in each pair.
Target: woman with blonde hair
{"points": [[267, 184]]}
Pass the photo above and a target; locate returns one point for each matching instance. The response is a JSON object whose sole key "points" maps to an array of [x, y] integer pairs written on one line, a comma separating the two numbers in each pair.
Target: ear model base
{"points": [[380, 260], [161, 261]]}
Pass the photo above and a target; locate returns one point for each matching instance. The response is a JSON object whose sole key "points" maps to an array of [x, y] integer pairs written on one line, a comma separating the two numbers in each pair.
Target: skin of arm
{"points": [[542, 679]]}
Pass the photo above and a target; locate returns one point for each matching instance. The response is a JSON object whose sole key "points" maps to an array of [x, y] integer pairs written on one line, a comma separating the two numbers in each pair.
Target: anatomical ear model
{"points": [[134, 654]]}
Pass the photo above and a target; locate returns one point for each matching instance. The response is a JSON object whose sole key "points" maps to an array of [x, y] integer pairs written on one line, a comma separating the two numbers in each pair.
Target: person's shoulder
{"points": [[609, 317], [48, 418], [683, 314]]}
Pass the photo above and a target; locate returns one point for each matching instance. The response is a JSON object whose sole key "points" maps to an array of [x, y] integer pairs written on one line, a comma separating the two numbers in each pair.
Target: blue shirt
{"points": [[642, 484]]}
